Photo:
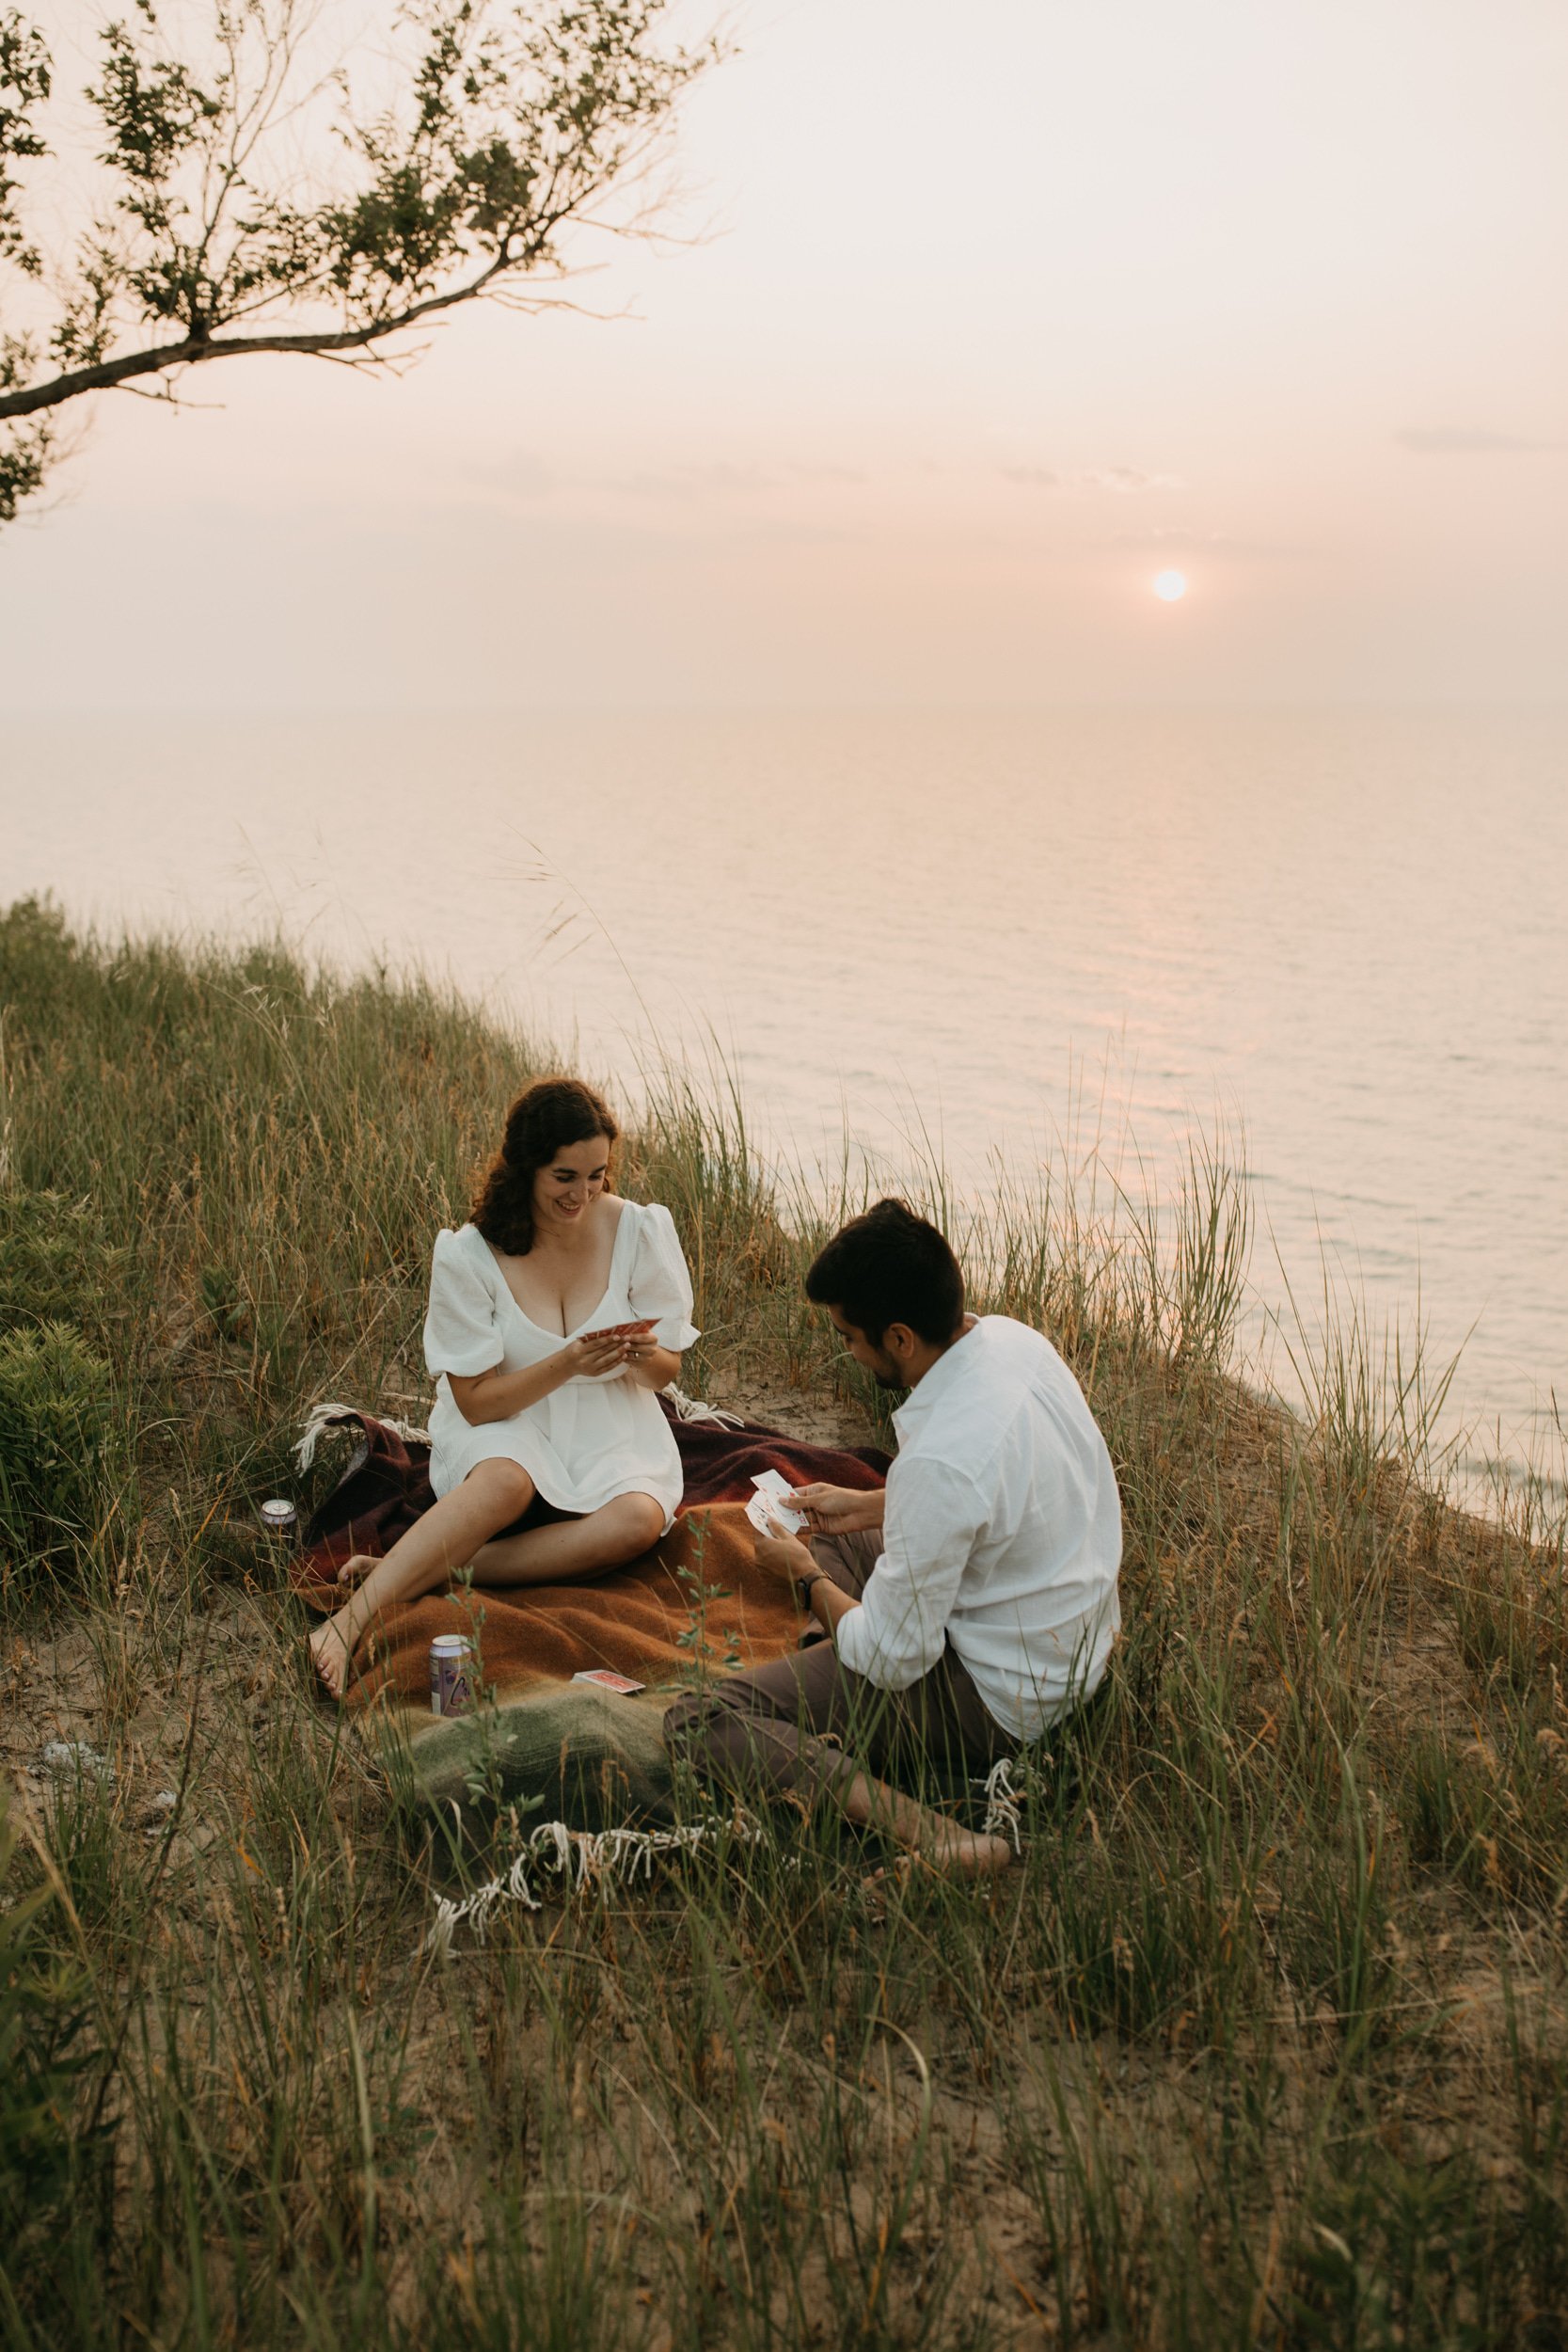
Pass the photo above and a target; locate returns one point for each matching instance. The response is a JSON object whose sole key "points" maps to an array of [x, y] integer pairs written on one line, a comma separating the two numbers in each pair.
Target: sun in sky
{"points": [[1170, 586]]}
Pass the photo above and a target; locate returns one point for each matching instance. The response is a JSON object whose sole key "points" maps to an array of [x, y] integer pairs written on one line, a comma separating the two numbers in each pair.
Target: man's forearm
{"points": [[825, 1602]]}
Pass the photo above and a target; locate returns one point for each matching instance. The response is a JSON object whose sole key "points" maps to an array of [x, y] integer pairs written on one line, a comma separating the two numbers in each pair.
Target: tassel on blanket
{"points": [[575, 1857], [692, 1408], [324, 1417], [330, 1415], [1003, 1800]]}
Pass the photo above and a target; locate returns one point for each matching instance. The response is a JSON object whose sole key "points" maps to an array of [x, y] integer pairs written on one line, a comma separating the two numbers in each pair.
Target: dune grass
{"points": [[1262, 2042]]}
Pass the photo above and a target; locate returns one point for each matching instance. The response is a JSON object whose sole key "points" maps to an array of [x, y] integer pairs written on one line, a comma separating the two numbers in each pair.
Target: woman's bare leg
{"points": [[439, 1543], [607, 1538]]}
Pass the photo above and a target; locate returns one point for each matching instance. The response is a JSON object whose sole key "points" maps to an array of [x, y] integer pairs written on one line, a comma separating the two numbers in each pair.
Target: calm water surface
{"points": [[1344, 931]]}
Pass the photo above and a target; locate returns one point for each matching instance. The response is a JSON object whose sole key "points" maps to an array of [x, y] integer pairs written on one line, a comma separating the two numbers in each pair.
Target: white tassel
{"points": [[330, 1415], [692, 1408], [321, 1418], [576, 1857], [1003, 1817]]}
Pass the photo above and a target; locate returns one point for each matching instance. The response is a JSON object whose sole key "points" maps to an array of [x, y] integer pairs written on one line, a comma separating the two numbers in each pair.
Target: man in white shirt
{"points": [[968, 1605]]}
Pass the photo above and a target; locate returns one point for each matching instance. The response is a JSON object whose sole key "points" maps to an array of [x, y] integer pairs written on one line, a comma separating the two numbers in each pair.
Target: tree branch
{"points": [[197, 349], [513, 119]]}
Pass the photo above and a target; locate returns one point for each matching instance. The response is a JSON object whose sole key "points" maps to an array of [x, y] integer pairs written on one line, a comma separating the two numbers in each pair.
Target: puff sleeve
{"points": [[659, 1284], [460, 1332]]}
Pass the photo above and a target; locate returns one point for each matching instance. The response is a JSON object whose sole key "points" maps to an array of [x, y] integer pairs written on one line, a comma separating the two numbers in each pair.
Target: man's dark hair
{"points": [[891, 1266]]}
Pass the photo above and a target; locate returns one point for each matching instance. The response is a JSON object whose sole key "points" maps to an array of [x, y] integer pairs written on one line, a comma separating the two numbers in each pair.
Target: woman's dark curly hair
{"points": [[545, 1118]]}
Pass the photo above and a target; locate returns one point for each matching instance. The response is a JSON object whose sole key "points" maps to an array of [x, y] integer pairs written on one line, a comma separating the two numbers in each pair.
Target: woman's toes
{"points": [[329, 1656]]}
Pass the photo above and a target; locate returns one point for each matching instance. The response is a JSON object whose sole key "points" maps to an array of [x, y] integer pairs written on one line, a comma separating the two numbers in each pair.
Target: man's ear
{"points": [[899, 1340]]}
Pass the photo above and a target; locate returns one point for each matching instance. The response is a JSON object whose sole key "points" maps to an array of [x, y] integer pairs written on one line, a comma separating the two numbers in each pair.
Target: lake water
{"points": [[1344, 931]]}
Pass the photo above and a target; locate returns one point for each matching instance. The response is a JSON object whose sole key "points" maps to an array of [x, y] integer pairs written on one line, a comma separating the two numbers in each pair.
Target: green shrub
{"points": [[58, 1442], [39, 958], [56, 1265]]}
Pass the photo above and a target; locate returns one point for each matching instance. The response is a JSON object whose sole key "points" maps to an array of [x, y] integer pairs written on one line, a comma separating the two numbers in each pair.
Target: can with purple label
{"points": [[451, 1674]]}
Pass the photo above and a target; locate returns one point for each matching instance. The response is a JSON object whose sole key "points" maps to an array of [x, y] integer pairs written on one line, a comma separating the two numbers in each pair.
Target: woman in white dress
{"points": [[555, 1314]]}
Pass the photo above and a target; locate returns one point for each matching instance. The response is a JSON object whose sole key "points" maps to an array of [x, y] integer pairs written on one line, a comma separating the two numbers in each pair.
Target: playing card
{"points": [[608, 1680], [769, 1509]]}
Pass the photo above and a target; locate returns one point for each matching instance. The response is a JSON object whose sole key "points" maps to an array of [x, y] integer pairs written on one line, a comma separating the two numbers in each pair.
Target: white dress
{"points": [[592, 1438]]}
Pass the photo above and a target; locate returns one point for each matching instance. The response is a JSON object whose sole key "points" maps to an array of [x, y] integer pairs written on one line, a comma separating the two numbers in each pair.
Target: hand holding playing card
{"points": [[777, 1524], [631, 1343], [840, 1510], [772, 1509], [782, 1557]]}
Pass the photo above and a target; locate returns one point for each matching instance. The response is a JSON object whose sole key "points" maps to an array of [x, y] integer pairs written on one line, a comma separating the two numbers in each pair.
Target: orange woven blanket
{"points": [[697, 1602]]}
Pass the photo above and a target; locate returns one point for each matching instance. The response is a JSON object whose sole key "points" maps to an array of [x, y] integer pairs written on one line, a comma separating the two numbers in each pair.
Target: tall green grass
{"points": [[1262, 2041]]}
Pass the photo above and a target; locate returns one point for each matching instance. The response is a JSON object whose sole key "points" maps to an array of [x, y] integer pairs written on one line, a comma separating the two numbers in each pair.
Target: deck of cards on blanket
{"points": [[769, 1510], [608, 1680]]}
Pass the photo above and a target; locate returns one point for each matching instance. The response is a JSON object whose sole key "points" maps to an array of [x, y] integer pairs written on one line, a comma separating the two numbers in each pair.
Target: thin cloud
{"points": [[1172, 538], [1119, 480], [1126, 481], [1217, 543], [522, 477], [720, 480], [1458, 441], [827, 473], [685, 482]]}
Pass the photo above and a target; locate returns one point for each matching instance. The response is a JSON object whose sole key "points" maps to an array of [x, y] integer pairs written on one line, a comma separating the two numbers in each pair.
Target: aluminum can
{"points": [[279, 1517], [451, 1674]]}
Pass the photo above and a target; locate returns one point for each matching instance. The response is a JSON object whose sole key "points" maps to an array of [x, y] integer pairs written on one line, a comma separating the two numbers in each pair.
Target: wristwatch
{"points": [[804, 1584]]}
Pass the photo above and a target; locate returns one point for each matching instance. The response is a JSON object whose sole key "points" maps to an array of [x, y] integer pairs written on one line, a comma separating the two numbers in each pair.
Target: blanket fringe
{"points": [[575, 1857], [331, 1415], [579, 1857], [1003, 1802], [693, 1409], [321, 1418]]}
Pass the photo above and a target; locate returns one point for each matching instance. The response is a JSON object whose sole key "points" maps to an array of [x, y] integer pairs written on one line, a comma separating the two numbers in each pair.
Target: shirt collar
{"points": [[948, 1367]]}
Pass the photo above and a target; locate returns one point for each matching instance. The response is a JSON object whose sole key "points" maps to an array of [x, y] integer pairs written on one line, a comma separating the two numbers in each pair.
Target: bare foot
{"points": [[329, 1653], [931, 1837], [356, 1570], [967, 1853], [949, 1853]]}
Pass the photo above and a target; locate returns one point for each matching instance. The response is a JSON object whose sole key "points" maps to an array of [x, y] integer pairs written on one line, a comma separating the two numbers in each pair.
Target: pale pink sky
{"points": [[1002, 309]]}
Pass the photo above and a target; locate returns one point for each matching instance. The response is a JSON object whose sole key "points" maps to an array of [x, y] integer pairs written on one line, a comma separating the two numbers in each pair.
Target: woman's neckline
{"points": [[543, 1328]]}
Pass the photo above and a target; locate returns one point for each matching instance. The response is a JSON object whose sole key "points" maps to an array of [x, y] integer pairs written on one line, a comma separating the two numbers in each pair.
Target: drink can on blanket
{"points": [[451, 1674]]}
